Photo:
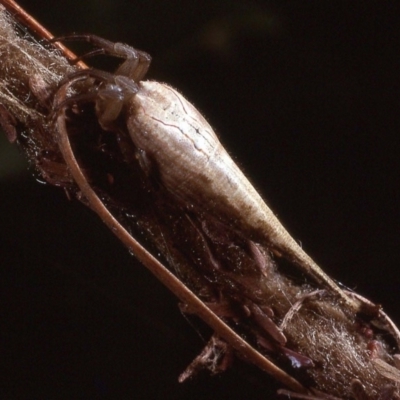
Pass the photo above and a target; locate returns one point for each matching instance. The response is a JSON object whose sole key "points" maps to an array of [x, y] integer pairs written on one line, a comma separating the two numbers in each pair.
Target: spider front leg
{"points": [[136, 62]]}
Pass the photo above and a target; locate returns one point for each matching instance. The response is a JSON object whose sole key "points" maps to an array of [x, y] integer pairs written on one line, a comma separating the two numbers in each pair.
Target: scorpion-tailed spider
{"points": [[173, 137]]}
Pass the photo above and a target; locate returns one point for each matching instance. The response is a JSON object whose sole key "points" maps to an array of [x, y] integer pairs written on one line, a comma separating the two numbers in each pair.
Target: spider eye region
{"points": [[110, 92]]}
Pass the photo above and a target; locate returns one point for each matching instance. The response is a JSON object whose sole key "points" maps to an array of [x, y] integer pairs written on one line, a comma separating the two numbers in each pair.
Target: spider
{"points": [[175, 140]]}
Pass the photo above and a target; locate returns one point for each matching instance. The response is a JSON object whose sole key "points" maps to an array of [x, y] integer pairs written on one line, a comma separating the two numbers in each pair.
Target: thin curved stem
{"points": [[160, 271]]}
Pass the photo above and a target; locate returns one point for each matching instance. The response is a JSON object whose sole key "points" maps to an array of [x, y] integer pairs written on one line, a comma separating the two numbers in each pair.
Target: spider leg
{"points": [[136, 62]]}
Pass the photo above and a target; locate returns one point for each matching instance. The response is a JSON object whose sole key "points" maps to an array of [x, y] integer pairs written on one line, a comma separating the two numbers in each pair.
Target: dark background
{"points": [[304, 94]]}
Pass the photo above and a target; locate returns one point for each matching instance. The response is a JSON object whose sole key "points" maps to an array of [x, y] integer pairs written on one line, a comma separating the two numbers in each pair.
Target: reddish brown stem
{"points": [[27, 20]]}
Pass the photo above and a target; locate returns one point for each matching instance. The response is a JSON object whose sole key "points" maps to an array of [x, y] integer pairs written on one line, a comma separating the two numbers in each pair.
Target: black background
{"points": [[304, 94]]}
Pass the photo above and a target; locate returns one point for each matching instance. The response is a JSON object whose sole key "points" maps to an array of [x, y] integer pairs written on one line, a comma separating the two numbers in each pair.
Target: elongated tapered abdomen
{"points": [[194, 166]]}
